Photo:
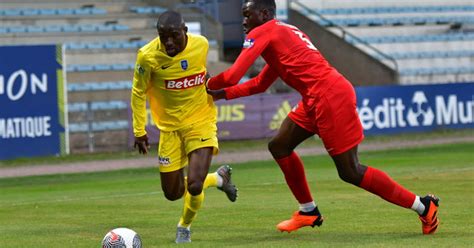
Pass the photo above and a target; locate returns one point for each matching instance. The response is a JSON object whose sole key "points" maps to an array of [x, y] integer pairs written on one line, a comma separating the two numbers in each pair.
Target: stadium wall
{"points": [[355, 65]]}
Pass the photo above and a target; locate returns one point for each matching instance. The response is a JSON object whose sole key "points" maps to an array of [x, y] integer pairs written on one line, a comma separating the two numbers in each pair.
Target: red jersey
{"points": [[289, 54]]}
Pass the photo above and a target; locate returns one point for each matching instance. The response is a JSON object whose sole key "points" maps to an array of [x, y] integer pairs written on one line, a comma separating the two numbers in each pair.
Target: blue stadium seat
{"points": [[63, 28], [78, 127], [417, 38], [110, 105], [394, 9], [106, 45], [120, 85], [121, 67], [11, 12], [127, 44], [97, 11], [396, 21], [158, 10], [17, 29], [70, 28], [47, 12], [120, 27], [105, 27], [147, 10], [435, 71], [84, 68], [53, 28], [65, 11], [82, 11], [102, 67], [110, 125], [29, 12], [34, 29], [77, 107], [75, 46], [88, 28], [98, 86], [141, 10], [112, 45]]}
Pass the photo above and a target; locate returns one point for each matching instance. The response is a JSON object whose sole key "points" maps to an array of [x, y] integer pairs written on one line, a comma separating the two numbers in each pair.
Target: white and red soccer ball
{"points": [[121, 238]]}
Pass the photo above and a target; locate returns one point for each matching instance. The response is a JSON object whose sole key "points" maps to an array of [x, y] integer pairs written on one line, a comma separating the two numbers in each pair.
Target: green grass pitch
{"points": [[78, 210]]}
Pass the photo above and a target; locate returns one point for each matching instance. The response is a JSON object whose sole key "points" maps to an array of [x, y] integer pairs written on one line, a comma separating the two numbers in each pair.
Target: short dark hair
{"points": [[170, 17], [270, 5]]}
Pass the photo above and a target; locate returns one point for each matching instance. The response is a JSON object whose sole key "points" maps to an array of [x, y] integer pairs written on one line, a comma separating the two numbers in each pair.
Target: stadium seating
{"points": [[83, 106], [414, 34], [430, 54], [100, 67], [94, 86], [100, 39], [98, 126], [66, 28], [51, 12], [396, 21], [147, 9]]}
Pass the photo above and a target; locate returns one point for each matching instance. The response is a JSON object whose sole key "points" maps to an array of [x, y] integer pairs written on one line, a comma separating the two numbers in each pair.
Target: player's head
{"points": [[172, 32], [256, 13]]}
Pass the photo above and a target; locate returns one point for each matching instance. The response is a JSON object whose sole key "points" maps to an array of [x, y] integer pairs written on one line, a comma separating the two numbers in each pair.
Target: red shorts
{"points": [[333, 117]]}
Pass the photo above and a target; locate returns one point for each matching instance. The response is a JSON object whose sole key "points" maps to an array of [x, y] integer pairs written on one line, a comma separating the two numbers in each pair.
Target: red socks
{"points": [[379, 183], [374, 181], [292, 168]]}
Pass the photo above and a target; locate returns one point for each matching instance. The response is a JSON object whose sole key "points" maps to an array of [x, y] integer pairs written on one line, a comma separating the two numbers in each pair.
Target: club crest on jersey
{"points": [[248, 43], [184, 64]]}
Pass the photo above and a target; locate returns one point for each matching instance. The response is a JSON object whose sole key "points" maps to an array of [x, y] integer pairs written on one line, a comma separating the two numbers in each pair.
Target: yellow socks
{"points": [[193, 203], [212, 180]]}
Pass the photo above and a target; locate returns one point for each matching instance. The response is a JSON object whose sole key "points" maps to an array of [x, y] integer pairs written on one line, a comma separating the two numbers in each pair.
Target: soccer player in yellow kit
{"points": [[170, 72]]}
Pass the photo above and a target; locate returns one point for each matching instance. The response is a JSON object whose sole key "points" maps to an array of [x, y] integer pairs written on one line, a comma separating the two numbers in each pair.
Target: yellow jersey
{"points": [[174, 86]]}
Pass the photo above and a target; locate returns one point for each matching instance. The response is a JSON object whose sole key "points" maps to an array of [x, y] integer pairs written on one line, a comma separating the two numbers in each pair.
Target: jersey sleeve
{"points": [[254, 45], [256, 85], [141, 79]]}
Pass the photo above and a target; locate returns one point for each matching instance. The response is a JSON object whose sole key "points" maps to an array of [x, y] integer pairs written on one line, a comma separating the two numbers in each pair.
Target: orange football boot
{"points": [[430, 222], [298, 220]]}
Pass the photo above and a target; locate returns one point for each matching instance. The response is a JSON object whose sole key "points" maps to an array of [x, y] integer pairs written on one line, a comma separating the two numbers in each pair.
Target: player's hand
{"points": [[142, 144], [206, 79], [217, 94]]}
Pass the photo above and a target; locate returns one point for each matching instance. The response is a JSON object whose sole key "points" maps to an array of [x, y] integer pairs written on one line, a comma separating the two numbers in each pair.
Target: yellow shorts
{"points": [[175, 146]]}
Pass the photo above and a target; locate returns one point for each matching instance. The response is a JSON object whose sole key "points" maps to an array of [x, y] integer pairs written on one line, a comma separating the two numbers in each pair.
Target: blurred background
{"points": [[380, 46]]}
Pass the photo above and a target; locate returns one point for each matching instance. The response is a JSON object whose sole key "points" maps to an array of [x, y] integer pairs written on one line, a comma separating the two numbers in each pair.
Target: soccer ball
{"points": [[122, 238]]}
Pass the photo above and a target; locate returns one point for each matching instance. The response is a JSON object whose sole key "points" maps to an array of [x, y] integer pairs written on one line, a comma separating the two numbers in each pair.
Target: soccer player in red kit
{"points": [[327, 108]]}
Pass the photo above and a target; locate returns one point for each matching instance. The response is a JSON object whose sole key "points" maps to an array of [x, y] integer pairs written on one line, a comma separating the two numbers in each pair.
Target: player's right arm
{"points": [[141, 79], [256, 85]]}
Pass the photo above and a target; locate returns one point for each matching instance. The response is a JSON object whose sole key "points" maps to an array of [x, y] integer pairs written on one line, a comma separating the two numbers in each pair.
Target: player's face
{"points": [[253, 17], [173, 37]]}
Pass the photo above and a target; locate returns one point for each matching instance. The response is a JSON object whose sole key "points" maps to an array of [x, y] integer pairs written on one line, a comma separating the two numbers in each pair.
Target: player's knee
{"points": [[195, 188], [173, 196], [350, 176], [347, 177], [277, 149]]}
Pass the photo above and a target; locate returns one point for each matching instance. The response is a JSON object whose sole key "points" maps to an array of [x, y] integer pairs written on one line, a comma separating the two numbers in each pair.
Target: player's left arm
{"points": [[254, 45]]}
